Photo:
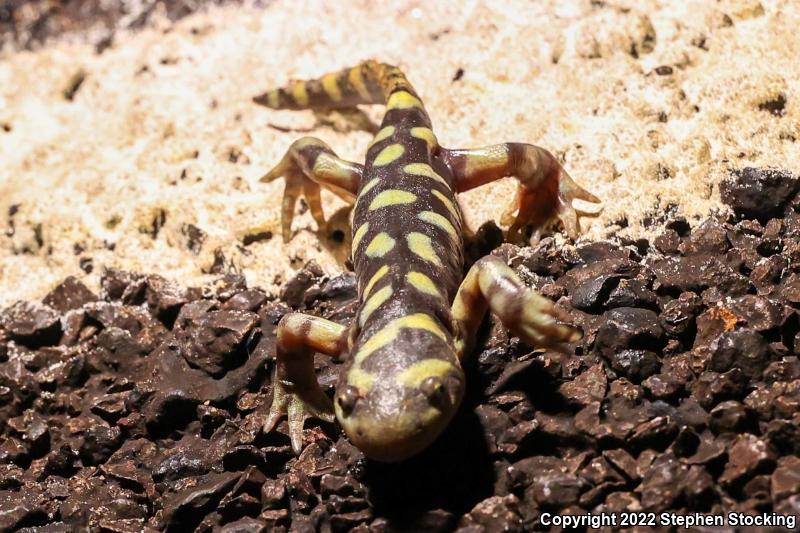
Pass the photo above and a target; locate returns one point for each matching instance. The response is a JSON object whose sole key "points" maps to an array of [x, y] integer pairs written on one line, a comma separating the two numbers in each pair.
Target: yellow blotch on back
{"points": [[374, 301], [448, 204], [424, 169], [421, 245], [385, 133], [389, 154], [380, 245], [359, 234], [360, 379], [421, 370], [427, 135], [392, 197], [438, 220], [330, 84], [402, 100], [422, 283], [382, 271], [300, 93], [370, 184], [392, 329]]}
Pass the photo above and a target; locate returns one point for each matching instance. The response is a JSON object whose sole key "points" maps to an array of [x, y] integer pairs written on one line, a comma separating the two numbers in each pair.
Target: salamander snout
{"points": [[394, 420]]}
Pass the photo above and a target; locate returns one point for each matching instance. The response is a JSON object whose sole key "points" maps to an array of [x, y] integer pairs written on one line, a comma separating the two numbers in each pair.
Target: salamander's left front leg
{"points": [[491, 284], [295, 390], [545, 189]]}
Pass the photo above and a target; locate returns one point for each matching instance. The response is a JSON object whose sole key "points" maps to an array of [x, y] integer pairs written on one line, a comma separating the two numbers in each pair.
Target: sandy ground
{"points": [[153, 164]]}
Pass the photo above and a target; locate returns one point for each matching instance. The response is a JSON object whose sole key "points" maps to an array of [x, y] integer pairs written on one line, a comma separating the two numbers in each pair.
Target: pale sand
{"points": [[154, 126]]}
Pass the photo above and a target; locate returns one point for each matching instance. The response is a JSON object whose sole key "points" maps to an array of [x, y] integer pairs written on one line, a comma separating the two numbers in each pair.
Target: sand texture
{"points": [[146, 154]]}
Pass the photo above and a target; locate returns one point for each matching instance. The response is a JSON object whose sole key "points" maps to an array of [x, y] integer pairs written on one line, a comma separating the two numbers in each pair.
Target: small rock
{"points": [[32, 324], [636, 365], [588, 387], [786, 478], [743, 349], [628, 327], [294, 290], [730, 416], [663, 484], [678, 315], [498, 513], [748, 456], [758, 193], [697, 273], [632, 293], [69, 294], [711, 388], [213, 339], [557, 490]]}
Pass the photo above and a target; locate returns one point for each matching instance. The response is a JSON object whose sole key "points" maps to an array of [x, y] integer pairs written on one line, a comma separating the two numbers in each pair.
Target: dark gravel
{"points": [[140, 408], [30, 24]]}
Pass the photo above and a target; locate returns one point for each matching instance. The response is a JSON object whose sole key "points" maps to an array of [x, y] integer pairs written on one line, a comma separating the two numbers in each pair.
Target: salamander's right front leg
{"points": [[295, 390], [308, 165]]}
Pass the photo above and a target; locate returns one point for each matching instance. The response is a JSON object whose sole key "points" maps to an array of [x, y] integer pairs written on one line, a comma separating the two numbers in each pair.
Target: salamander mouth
{"points": [[395, 434], [389, 442]]}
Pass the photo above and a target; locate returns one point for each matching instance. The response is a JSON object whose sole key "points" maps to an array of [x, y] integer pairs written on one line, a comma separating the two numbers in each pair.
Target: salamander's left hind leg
{"points": [[545, 189], [295, 390], [491, 284], [308, 165]]}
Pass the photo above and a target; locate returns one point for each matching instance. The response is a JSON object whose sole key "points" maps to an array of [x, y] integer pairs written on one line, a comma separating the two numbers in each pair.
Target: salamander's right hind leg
{"points": [[308, 165]]}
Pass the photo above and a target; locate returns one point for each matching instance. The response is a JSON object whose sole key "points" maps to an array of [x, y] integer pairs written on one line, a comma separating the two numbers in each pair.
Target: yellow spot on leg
{"points": [[273, 98], [438, 220], [422, 283], [424, 169], [402, 100], [331, 87], [380, 245], [300, 93], [426, 134], [389, 154], [385, 133], [421, 245], [421, 370], [374, 301], [359, 234], [448, 204], [382, 271], [392, 197]]}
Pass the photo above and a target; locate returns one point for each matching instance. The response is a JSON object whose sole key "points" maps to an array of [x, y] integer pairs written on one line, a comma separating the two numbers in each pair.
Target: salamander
{"points": [[402, 379]]}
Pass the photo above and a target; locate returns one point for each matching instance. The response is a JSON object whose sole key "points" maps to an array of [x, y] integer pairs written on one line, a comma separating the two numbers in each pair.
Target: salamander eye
{"points": [[347, 399], [433, 389]]}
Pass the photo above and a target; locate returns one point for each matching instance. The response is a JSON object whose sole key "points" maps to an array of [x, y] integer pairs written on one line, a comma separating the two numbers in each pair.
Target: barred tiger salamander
{"points": [[418, 313]]}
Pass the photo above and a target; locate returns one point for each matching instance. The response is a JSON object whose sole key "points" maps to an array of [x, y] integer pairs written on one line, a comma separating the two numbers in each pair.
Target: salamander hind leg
{"points": [[491, 284], [545, 189], [308, 166], [295, 390]]}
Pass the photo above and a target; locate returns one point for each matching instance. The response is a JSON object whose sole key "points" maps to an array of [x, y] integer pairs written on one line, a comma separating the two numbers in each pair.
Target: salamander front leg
{"points": [[491, 284], [545, 189], [308, 165], [295, 390]]}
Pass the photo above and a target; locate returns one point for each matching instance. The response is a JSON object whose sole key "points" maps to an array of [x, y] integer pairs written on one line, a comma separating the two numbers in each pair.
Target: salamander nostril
{"points": [[347, 399], [433, 389]]}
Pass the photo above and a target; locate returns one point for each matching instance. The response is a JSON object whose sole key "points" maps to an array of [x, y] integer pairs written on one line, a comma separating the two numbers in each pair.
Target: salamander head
{"points": [[399, 413]]}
